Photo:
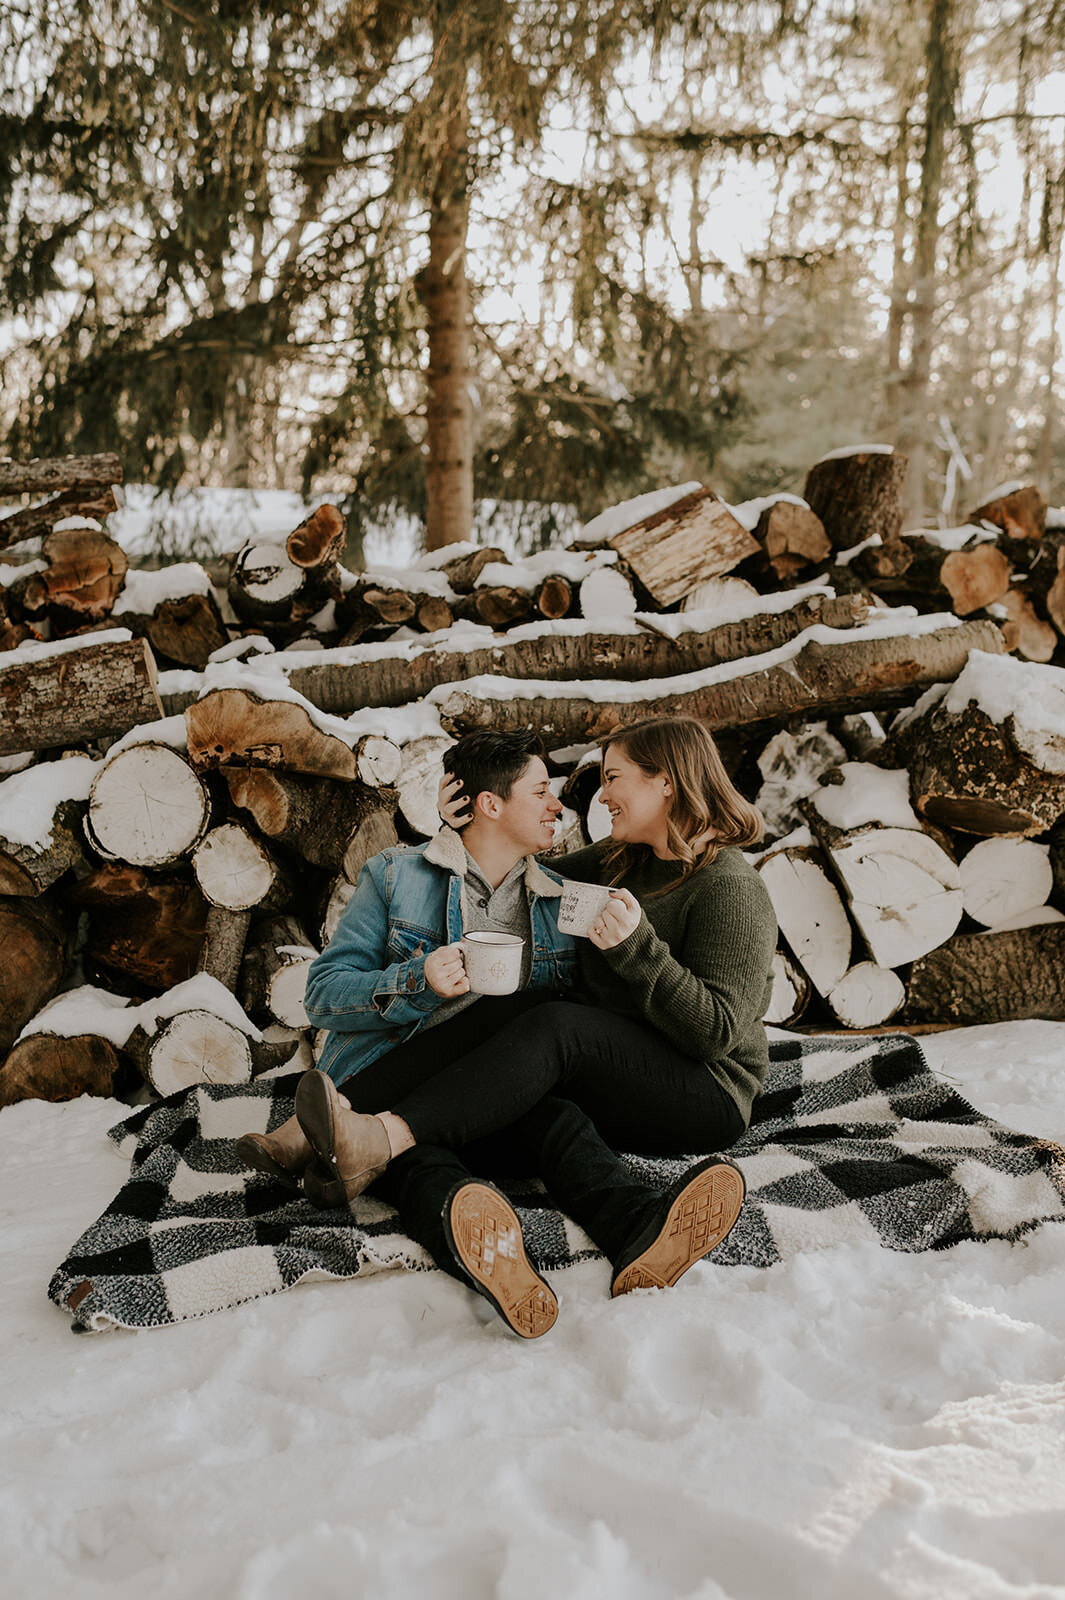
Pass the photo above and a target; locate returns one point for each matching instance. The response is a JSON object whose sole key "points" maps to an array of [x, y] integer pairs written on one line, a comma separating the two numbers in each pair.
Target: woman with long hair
{"points": [[660, 1046]]}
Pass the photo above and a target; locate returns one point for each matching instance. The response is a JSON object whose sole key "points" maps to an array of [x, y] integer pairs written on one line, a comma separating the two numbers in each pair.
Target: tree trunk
{"points": [[445, 294], [850, 675], [61, 697], [941, 79]]}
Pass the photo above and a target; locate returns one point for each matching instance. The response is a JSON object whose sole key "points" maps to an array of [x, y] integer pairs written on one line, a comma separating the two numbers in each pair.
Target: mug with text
{"points": [[579, 906]]}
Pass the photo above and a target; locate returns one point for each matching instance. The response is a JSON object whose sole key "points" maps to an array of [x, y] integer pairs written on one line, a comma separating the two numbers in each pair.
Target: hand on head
{"points": [[452, 803]]}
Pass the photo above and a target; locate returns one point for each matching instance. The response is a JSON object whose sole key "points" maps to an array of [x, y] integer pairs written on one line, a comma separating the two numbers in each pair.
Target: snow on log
{"points": [[857, 493], [792, 536], [274, 976], [790, 994], [1003, 878], [42, 517], [318, 541], [419, 780], [463, 571], [1021, 513], [810, 914], [569, 652], [684, 543], [147, 806], [56, 695], [819, 672], [792, 765], [148, 927], [176, 611], [992, 977], [236, 728], [79, 584], [867, 996], [903, 890], [34, 941], [192, 1047], [264, 584], [606, 594], [48, 1066], [316, 818], [30, 869], [986, 754]]}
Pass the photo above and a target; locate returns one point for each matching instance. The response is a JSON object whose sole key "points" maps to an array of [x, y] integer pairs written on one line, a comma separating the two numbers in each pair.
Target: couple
{"points": [[645, 1036]]}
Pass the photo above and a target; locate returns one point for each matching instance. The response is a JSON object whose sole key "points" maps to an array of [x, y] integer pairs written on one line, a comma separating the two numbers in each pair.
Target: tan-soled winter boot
{"points": [[349, 1150], [283, 1154], [696, 1213]]}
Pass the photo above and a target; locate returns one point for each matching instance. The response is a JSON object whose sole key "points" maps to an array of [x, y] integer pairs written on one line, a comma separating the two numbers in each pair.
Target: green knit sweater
{"points": [[698, 966]]}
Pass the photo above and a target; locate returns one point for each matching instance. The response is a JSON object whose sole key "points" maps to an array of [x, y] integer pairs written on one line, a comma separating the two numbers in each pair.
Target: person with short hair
{"points": [[659, 1048]]}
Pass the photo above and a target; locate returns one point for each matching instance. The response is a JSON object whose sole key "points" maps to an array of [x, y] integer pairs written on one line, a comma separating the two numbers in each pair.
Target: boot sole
{"points": [[485, 1237], [253, 1155], [700, 1216]]}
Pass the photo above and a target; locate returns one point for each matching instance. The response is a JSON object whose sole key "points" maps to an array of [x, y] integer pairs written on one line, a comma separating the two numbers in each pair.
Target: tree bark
{"points": [[49, 1066], [32, 521], [941, 79], [849, 676], [857, 495], [58, 473], [991, 977], [33, 958], [444, 293], [314, 817], [27, 870], [235, 728], [74, 696], [148, 928]]}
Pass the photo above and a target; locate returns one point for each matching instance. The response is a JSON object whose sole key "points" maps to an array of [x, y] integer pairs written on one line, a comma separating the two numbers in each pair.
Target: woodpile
{"points": [[191, 781]]}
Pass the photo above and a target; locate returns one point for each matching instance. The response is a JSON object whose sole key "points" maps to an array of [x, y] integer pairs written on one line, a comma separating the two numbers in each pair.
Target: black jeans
{"points": [[531, 1082]]}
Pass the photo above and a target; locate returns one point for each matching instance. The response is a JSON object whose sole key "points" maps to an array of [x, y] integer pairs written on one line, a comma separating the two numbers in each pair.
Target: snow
{"points": [[851, 1423], [843, 558], [29, 799], [958, 538], [1055, 517], [1031, 694], [859, 450], [9, 571], [867, 794], [530, 572], [144, 590], [168, 730], [748, 511], [615, 519], [75, 524], [91, 1010], [28, 654]]}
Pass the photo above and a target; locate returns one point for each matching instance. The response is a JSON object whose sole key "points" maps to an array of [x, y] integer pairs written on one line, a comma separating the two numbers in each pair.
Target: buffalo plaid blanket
{"points": [[853, 1140]]}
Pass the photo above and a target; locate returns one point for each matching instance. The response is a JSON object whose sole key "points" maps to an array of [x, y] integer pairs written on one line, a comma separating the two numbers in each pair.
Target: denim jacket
{"points": [[368, 985]]}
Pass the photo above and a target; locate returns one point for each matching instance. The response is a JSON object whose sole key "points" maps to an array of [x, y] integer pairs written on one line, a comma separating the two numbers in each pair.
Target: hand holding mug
{"points": [[618, 919], [445, 973]]}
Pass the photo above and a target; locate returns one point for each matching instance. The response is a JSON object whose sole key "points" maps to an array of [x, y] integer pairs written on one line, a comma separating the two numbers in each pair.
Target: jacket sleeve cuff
{"points": [[403, 994]]}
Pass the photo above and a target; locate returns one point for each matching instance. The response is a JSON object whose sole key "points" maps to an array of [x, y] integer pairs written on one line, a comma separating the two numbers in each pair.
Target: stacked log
{"points": [[174, 817]]}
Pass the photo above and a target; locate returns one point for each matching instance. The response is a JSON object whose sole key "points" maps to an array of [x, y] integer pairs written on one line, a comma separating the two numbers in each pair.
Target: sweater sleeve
{"points": [[711, 992]]}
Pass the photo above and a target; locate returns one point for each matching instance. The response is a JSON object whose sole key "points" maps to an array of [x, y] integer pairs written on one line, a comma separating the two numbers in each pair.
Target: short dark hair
{"points": [[492, 761]]}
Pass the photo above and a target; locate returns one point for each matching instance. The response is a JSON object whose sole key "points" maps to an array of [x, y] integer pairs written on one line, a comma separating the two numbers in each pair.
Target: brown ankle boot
{"points": [[349, 1149], [283, 1154]]}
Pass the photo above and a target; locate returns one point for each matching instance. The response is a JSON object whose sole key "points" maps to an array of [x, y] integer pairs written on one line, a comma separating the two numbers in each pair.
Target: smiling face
{"points": [[638, 801], [528, 815]]}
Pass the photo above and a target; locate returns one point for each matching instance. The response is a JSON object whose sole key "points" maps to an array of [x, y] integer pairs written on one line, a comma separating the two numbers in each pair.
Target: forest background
{"points": [[463, 260]]}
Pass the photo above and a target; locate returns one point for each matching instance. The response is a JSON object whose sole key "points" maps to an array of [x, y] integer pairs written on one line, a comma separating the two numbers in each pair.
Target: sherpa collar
{"points": [[447, 850]]}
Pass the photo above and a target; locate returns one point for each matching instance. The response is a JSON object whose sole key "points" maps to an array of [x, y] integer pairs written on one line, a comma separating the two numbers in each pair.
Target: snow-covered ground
{"points": [[853, 1423]]}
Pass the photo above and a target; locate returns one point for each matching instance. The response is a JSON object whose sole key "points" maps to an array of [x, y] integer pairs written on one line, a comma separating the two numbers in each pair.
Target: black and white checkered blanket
{"points": [[853, 1140]]}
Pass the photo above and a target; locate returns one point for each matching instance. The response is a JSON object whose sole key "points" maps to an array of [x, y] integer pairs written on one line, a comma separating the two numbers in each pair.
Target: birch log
{"points": [[53, 698]]}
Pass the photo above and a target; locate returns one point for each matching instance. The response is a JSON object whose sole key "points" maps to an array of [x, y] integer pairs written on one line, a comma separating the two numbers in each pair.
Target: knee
{"points": [[555, 1019]]}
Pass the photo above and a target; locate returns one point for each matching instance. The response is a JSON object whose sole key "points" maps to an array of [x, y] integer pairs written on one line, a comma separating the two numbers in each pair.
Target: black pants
{"points": [[531, 1082]]}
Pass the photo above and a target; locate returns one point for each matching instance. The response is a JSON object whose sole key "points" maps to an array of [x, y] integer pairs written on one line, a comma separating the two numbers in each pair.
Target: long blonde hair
{"points": [[706, 810]]}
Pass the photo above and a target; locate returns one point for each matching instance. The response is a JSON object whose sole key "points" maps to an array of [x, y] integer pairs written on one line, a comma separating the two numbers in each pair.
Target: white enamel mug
{"points": [[579, 906], [492, 962]]}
